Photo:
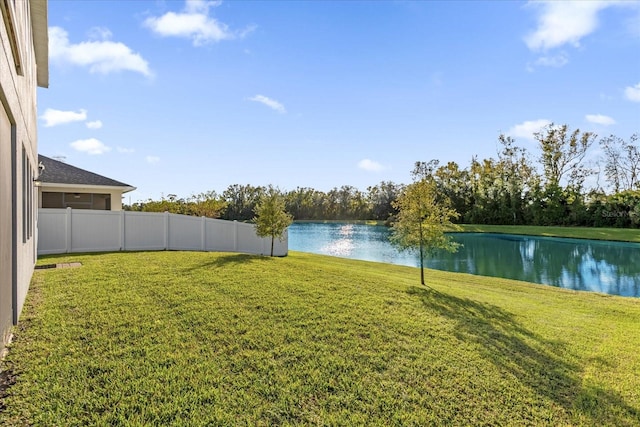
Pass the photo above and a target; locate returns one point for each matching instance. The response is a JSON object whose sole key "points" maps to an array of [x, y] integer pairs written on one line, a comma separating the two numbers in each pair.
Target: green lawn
{"points": [[190, 338], [619, 234]]}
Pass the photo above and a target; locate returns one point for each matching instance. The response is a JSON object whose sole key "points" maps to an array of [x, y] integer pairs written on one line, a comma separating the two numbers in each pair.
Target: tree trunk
{"points": [[272, 238], [421, 258]]}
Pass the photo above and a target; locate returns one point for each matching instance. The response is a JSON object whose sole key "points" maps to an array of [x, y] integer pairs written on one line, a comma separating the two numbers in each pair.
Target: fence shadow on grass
{"points": [[229, 260], [541, 365]]}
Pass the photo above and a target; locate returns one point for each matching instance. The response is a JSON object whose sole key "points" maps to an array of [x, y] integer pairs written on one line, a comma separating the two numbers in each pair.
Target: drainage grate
{"points": [[63, 265]]}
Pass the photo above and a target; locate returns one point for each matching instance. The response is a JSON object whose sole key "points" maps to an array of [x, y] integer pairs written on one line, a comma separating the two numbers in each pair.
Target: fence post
{"points": [[122, 232], [235, 235], [67, 243], [166, 231], [203, 233]]}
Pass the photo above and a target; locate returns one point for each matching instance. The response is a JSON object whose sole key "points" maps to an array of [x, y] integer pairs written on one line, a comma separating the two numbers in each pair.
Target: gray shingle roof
{"points": [[56, 172]]}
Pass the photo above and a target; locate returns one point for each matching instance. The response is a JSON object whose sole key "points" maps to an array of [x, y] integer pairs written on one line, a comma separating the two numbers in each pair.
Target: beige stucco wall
{"points": [[18, 99]]}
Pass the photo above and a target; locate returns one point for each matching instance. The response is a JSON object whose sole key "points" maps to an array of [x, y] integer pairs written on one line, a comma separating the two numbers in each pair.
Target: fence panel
{"points": [[52, 231], [185, 233], [144, 231], [250, 243], [67, 230], [246, 243], [95, 231], [281, 246], [220, 235]]}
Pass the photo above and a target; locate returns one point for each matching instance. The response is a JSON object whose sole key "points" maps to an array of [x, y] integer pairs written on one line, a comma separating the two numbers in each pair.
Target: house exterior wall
{"points": [[6, 229], [18, 157]]}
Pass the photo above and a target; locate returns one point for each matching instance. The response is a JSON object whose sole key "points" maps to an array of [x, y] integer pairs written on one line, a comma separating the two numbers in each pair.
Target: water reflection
{"points": [[343, 246], [608, 267]]}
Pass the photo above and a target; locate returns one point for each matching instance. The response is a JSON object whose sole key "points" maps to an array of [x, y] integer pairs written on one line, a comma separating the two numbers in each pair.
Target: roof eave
{"points": [[40, 40], [85, 187]]}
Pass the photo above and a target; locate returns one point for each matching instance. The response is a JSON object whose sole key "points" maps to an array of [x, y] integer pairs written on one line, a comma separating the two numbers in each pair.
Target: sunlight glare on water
{"points": [[343, 246]]}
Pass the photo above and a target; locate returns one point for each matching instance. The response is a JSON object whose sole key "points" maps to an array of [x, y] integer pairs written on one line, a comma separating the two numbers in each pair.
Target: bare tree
{"points": [[622, 162], [563, 154]]}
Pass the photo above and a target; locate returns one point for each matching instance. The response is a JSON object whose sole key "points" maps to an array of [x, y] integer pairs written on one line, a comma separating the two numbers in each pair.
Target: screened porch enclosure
{"points": [[95, 201]]}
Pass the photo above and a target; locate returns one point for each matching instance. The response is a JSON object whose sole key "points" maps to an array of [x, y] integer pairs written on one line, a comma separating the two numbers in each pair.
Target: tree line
{"points": [[560, 184], [238, 202]]}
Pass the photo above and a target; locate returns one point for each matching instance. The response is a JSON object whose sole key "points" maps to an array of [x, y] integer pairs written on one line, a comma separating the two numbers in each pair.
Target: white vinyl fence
{"points": [[80, 230]]}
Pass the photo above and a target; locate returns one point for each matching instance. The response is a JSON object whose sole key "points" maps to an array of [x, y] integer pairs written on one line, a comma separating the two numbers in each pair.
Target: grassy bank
{"points": [[175, 338], [617, 234]]}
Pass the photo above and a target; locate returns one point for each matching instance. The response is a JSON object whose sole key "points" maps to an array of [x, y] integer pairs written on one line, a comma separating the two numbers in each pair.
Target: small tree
{"points": [[271, 217], [423, 220]]}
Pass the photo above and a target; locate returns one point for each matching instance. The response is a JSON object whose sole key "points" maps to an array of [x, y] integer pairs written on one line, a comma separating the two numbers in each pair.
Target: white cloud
{"points": [[125, 150], [600, 119], [100, 56], [200, 6], [53, 117], [370, 165], [528, 128], [90, 146], [96, 124], [271, 103], [605, 97], [633, 23], [194, 23], [632, 93], [100, 33], [152, 159], [564, 22], [556, 61]]}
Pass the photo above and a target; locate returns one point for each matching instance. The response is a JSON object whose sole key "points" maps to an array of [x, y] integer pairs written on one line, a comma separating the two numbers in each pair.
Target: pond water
{"points": [[589, 265]]}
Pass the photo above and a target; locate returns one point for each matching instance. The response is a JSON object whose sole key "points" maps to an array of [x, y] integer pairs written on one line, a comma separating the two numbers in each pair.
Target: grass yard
{"points": [[190, 338], [594, 233]]}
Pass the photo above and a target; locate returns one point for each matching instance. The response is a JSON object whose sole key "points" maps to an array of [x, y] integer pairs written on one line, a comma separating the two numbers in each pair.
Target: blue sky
{"points": [[178, 97]]}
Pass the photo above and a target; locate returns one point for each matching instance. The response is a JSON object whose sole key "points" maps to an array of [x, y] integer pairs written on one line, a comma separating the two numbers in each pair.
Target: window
{"points": [[27, 198]]}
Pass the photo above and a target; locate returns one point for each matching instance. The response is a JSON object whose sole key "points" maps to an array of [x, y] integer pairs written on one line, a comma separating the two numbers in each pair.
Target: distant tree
{"points": [[423, 218], [331, 204], [207, 204], [381, 198], [562, 158], [171, 204], [424, 170], [241, 201], [271, 217], [486, 192], [454, 183], [563, 154], [517, 178], [622, 162], [346, 202], [304, 203]]}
